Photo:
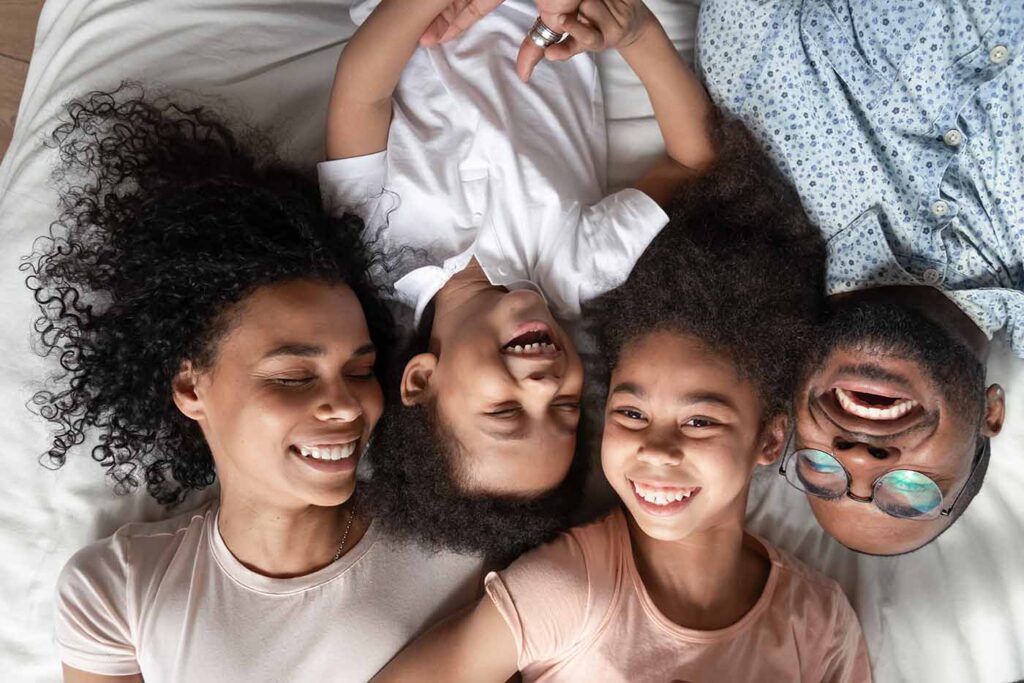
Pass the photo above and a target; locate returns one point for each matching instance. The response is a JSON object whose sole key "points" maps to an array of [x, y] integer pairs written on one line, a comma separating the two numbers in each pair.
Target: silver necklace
{"points": [[344, 536]]}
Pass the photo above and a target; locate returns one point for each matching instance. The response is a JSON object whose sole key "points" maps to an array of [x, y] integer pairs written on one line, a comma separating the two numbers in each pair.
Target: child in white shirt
{"points": [[492, 191]]}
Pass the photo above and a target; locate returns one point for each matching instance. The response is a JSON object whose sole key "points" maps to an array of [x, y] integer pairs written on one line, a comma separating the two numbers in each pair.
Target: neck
{"points": [[466, 294], [285, 542], [706, 581], [932, 303]]}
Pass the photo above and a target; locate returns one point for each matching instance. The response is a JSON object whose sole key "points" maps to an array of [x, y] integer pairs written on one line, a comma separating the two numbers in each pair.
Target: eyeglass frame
{"points": [[985, 449]]}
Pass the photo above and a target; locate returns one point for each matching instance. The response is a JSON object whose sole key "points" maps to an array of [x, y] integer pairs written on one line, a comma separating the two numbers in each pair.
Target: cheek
{"points": [[371, 399], [616, 446], [723, 466]]}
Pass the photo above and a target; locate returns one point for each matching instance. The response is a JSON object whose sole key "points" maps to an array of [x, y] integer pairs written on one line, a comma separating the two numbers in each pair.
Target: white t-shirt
{"points": [[481, 164], [169, 600]]}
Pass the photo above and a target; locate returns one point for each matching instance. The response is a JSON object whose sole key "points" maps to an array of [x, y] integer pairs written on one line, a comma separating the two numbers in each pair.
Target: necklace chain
{"points": [[344, 536]]}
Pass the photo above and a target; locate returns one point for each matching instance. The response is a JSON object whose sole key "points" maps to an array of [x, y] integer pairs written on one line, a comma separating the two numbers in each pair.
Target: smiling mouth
{"points": [[872, 406], [535, 342], [328, 452], [663, 500]]}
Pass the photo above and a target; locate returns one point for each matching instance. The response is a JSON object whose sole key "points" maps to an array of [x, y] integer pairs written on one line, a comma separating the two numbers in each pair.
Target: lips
{"points": [[869, 405]]}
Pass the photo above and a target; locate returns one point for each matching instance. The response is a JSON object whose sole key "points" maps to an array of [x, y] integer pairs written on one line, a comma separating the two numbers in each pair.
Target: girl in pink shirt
{"points": [[702, 343]]}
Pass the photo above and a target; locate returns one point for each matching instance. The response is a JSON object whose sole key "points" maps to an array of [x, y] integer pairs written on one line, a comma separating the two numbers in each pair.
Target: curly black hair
{"points": [[167, 222], [739, 266], [417, 492]]}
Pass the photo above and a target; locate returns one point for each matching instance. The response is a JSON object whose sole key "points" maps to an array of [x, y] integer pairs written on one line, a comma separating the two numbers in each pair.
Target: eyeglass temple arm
{"points": [[983, 452]]}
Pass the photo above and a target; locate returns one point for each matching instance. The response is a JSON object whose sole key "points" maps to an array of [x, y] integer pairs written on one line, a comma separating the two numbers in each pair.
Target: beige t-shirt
{"points": [[579, 612], [169, 600]]}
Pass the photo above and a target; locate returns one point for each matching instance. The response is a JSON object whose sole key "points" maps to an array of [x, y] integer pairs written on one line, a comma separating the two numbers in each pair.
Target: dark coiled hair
{"points": [[167, 222], [739, 266]]}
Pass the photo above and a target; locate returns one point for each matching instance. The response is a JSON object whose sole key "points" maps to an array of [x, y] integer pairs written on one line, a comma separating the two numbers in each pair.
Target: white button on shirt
{"points": [[953, 137], [940, 208], [480, 165], [999, 54], [932, 276]]}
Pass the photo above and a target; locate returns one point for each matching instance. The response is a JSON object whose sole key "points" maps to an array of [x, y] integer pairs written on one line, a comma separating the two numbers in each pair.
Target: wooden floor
{"points": [[17, 33]]}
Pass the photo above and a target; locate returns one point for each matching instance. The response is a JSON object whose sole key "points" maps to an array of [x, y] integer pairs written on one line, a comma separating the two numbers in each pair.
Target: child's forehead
{"points": [[681, 364]]}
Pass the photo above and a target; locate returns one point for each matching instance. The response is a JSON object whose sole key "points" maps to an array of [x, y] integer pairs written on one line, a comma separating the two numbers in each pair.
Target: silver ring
{"points": [[543, 36]]}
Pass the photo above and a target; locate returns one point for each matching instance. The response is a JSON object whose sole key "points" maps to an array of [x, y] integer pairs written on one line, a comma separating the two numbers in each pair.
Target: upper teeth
{"points": [[893, 412], [536, 348], [661, 496], [338, 452]]}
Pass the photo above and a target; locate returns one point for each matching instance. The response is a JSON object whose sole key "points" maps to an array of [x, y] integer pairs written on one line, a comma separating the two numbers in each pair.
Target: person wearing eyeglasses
{"points": [[901, 126]]}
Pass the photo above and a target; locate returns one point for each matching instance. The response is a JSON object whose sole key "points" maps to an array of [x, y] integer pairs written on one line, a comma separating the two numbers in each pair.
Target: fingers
{"points": [[437, 28], [529, 57], [555, 7], [586, 36], [567, 49], [468, 15]]}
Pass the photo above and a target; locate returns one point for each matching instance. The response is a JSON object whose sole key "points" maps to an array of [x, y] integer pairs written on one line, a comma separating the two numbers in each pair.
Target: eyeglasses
{"points": [[906, 494]]}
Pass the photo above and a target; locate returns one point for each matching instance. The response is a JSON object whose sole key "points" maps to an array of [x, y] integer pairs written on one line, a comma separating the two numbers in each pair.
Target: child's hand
{"points": [[456, 18], [596, 25]]}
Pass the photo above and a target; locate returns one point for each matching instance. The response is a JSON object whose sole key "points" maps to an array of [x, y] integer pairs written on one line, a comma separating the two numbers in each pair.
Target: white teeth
{"points": [[535, 349], [661, 496], [330, 453], [893, 412]]}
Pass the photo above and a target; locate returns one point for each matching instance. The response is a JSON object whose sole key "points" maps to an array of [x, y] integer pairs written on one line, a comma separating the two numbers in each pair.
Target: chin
{"points": [[662, 531], [332, 498]]}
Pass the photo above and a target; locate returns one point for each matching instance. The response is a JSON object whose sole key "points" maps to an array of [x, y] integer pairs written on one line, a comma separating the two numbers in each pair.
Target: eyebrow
{"points": [[684, 400], [311, 351]]}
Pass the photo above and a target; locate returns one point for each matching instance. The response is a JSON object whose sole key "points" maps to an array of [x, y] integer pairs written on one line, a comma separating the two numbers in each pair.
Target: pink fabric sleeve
{"points": [[846, 660], [543, 597], [92, 624]]}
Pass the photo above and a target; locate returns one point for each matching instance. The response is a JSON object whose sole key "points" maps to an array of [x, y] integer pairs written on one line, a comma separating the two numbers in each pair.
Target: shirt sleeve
{"points": [[353, 185], [600, 254], [93, 630], [544, 598], [846, 660], [730, 44]]}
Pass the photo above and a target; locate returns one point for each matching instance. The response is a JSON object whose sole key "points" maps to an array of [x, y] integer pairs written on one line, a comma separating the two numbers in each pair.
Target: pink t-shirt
{"points": [[579, 612]]}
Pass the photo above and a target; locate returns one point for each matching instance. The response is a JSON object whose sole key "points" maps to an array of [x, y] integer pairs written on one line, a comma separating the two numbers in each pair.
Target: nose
{"points": [[864, 462], [544, 381], [661, 449], [338, 404]]}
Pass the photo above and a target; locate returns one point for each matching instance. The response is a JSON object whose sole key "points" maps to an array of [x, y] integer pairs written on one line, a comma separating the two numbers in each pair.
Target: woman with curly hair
{"points": [[702, 344], [212, 322]]}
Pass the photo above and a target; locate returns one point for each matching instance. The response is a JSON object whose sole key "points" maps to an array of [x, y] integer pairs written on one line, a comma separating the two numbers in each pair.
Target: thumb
{"points": [[529, 56]]}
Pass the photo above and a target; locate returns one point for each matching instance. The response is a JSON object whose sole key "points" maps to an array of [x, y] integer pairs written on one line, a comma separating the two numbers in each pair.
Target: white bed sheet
{"points": [[952, 612]]}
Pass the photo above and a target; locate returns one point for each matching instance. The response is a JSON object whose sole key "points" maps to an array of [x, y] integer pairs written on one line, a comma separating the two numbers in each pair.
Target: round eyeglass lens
{"points": [[908, 494], [817, 473]]}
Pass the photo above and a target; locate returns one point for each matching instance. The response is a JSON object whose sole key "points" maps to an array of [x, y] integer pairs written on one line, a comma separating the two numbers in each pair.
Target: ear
{"points": [[183, 388], [773, 440], [415, 386], [995, 411]]}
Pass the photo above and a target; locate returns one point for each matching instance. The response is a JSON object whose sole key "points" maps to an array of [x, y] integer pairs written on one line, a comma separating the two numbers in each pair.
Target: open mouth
{"points": [[328, 452], [532, 340], [663, 500], [332, 458], [873, 406]]}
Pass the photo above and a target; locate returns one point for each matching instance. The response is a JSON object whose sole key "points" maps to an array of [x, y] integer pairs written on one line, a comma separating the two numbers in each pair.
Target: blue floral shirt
{"points": [[901, 125]]}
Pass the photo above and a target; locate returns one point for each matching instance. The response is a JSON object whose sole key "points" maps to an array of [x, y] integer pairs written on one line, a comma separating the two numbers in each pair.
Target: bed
{"points": [[952, 612]]}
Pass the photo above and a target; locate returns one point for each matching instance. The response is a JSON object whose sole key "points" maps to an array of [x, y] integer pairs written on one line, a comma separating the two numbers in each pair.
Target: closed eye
{"points": [[363, 375], [291, 381], [505, 412]]}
